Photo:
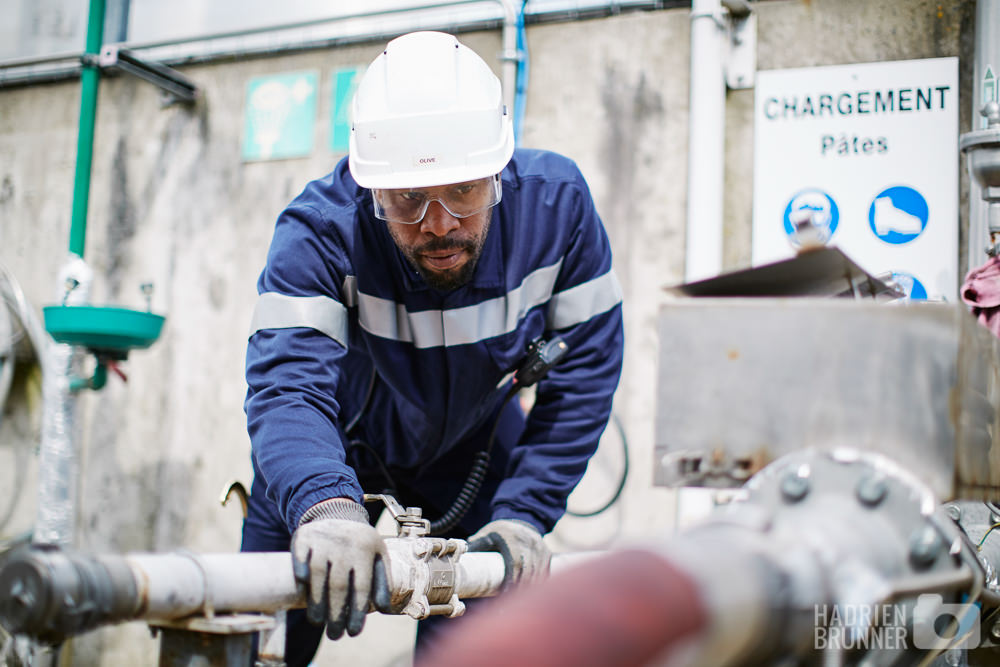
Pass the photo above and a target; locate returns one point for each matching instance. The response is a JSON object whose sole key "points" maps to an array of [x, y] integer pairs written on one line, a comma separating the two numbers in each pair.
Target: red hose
{"points": [[623, 609]]}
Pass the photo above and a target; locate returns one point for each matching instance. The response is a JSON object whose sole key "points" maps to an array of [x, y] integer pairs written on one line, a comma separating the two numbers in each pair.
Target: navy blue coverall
{"points": [[338, 300]]}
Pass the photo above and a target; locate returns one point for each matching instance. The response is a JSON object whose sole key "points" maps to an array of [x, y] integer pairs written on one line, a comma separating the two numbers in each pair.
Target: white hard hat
{"points": [[428, 111]]}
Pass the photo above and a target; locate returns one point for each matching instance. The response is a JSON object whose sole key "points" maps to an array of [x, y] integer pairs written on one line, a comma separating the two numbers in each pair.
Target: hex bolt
{"points": [[925, 544], [995, 631], [794, 487], [70, 284], [871, 490], [147, 291], [954, 512]]}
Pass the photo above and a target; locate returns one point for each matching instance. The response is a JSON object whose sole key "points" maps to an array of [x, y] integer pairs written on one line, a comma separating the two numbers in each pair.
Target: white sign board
{"points": [[865, 157]]}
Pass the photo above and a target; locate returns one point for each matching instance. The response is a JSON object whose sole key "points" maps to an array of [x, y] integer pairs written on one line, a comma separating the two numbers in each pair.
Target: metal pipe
{"points": [[510, 56], [42, 590], [51, 594], [89, 80], [25, 314], [626, 609], [27, 61], [57, 461], [987, 57], [297, 25], [756, 583], [22, 71], [706, 138]]}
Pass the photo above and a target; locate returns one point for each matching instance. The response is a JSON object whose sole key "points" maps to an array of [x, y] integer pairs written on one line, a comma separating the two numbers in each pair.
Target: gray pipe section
{"points": [[176, 585], [509, 55], [6, 353], [52, 594], [28, 319], [57, 456], [16, 318], [987, 55]]}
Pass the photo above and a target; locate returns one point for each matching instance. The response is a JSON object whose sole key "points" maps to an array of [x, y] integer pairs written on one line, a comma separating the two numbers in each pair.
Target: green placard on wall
{"points": [[279, 116], [343, 85]]}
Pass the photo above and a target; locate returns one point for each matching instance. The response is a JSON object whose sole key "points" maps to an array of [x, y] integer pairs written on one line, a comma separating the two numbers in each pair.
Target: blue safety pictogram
{"points": [[898, 215], [914, 289], [811, 214]]}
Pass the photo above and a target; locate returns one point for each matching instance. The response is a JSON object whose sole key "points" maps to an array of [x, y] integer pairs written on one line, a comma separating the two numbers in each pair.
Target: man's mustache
{"points": [[445, 243]]}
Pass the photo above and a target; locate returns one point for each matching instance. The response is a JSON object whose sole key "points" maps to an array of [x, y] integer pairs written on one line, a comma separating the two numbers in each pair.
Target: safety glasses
{"points": [[408, 206]]}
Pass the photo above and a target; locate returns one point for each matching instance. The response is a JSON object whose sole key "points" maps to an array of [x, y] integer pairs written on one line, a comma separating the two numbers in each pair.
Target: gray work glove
{"points": [[525, 556], [342, 561]]}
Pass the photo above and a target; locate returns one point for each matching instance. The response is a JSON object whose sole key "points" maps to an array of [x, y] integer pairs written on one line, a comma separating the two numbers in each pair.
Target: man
{"points": [[400, 294]]}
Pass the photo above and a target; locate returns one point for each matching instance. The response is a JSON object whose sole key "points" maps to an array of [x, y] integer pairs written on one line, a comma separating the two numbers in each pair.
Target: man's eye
{"points": [[412, 196], [465, 189]]}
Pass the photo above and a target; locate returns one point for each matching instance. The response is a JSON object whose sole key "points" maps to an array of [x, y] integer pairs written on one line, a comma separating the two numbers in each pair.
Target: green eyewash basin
{"points": [[107, 329]]}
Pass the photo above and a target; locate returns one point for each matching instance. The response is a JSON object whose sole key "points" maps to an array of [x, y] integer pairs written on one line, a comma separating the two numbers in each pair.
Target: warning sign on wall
{"points": [[279, 116], [866, 156], [345, 82]]}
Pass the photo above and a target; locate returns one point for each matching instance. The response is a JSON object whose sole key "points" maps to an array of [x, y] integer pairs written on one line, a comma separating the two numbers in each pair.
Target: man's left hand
{"points": [[525, 555]]}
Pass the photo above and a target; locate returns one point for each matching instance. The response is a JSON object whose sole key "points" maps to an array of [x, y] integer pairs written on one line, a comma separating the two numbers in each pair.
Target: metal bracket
{"points": [[741, 51], [174, 84]]}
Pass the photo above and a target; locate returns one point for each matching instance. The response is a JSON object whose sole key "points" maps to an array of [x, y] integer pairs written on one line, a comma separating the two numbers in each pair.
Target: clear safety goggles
{"points": [[409, 205]]}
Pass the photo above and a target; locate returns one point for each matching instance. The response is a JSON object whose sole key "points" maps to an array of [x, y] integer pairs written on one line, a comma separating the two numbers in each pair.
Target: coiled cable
{"points": [[480, 465]]}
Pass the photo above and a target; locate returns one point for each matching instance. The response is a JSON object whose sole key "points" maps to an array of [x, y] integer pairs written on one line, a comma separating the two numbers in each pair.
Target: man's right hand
{"points": [[342, 561]]}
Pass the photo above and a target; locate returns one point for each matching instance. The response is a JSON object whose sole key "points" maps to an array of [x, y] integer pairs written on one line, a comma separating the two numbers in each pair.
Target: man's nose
{"points": [[438, 221]]}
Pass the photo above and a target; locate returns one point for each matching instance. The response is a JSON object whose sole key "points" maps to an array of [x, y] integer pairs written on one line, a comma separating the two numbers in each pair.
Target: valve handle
{"points": [[410, 521]]}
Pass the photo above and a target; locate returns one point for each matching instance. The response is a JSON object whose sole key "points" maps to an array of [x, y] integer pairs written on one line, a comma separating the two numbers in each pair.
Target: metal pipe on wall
{"points": [[57, 473], [510, 56], [987, 58], [55, 515], [706, 141]]}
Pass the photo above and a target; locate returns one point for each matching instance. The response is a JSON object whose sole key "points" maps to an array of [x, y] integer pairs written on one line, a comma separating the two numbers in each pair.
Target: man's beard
{"points": [[449, 279]]}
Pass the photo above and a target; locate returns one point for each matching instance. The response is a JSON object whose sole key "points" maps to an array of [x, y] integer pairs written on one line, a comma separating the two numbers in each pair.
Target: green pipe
{"points": [[95, 382], [89, 79]]}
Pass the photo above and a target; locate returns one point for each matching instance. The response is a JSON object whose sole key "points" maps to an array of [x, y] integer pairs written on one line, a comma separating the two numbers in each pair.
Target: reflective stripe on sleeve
{"points": [[280, 311], [579, 304]]}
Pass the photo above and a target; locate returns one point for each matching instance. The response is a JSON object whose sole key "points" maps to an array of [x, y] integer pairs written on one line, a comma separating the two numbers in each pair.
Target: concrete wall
{"points": [[171, 202]]}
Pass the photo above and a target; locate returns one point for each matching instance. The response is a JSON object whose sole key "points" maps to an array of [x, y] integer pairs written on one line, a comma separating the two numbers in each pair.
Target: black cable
{"points": [[480, 465], [621, 483], [357, 443], [361, 444], [364, 404]]}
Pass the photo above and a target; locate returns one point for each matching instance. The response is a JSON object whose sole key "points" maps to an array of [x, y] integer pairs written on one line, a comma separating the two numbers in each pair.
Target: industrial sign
{"points": [[345, 82], [279, 116], [864, 157]]}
